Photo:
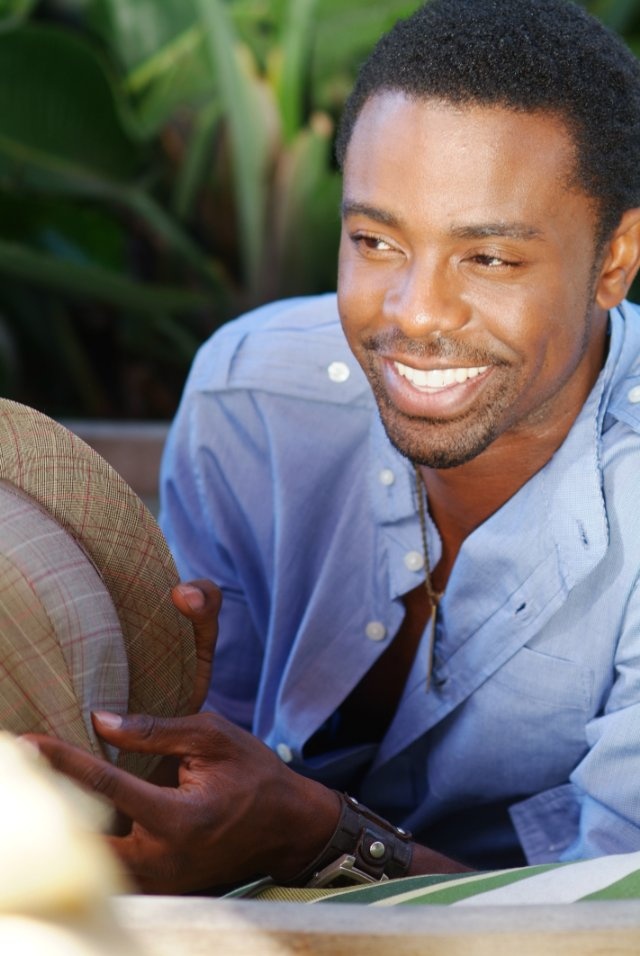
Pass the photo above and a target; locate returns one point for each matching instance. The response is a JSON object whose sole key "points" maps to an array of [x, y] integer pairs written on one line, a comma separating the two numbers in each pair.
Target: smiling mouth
{"points": [[438, 377]]}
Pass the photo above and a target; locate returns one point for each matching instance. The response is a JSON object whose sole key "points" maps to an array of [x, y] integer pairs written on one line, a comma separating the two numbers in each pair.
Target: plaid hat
{"points": [[86, 618]]}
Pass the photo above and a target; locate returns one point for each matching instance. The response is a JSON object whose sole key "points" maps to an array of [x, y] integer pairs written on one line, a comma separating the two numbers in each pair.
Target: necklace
{"points": [[433, 595]]}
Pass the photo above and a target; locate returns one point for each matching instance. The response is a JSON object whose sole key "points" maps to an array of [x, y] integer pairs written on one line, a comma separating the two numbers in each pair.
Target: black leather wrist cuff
{"points": [[364, 848]]}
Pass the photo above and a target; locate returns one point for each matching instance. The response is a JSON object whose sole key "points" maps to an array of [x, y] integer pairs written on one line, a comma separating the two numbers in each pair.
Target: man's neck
{"points": [[462, 498]]}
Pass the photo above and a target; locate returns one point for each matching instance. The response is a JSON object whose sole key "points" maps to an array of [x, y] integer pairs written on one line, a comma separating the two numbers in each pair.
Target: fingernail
{"points": [[107, 719], [193, 596]]}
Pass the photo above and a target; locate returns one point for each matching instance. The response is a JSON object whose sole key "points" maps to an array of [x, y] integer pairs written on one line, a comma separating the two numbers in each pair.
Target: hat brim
{"points": [[97, 507]]}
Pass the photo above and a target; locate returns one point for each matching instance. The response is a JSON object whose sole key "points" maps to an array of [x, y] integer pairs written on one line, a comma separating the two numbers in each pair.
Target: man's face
{"points": [[466, 275]]}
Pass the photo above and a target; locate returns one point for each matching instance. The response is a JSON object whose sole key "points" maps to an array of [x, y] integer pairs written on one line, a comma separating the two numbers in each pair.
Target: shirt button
{"points": [[285, 753], [338, 372], [386, 477], [376, 631], [634, 394], [414, 561]]}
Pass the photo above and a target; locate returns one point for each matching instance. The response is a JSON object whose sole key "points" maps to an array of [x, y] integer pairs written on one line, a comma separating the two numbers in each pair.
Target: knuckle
{"points": [[100, 778], [145, 726], [207, 721]]}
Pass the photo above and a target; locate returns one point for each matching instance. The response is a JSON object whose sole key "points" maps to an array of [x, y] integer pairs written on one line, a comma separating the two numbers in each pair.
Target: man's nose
{"points": [[426, 299]]}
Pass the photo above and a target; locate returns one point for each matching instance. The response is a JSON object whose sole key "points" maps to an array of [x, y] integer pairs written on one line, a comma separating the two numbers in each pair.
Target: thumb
{"points": [[200, 602]]}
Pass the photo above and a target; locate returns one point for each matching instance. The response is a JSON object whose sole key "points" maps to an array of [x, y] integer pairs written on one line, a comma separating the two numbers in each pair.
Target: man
{"points": [[429, 569]]}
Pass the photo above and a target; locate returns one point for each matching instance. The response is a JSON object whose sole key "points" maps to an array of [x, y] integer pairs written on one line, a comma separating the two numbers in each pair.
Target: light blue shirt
{"points": [[279, 483]]}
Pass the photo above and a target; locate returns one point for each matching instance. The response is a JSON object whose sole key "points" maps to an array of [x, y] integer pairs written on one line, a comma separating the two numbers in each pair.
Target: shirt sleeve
{"points": [[202, 511]]}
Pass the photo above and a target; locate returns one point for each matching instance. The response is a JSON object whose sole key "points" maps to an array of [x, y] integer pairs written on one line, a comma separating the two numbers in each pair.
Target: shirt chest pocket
{"points": [[521, 731], [550, 681]]}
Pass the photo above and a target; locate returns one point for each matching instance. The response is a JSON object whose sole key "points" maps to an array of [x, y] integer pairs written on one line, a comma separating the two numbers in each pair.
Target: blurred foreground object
{"points": [[56, 874]]}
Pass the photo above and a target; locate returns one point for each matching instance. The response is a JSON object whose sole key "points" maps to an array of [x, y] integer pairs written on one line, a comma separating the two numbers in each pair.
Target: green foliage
{"points": [[163, 165]]}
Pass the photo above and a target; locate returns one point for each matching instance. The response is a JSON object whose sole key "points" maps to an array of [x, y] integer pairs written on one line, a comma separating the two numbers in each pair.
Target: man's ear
{"points": [[621, 261]]}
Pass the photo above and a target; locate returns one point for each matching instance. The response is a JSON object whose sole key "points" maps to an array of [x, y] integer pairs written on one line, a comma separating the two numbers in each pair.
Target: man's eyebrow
{"points": [[505, 230], [350, 207], [481, 230]]}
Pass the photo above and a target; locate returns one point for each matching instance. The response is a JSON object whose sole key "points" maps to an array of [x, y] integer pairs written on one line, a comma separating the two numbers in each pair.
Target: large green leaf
{"points": [[135, 30], [13, 12], [62, 131], [305, 214], [247, 105], [345, 32], [296, 44], [58, 111], [159, 46]]}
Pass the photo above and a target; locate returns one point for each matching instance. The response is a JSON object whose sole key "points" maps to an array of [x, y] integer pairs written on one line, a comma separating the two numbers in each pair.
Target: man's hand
{"points": [[237, 813], [200, 602]]}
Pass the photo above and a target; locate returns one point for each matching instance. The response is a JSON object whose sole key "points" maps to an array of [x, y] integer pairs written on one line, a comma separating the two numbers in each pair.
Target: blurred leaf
{"points": [[180, 242], [617, 14], [246, 112], [259, 24], [344, 34], [95, 232], [160, 48], [185, 82], [295, 51], [135, 30], [93, 282], [53, 91], [634, 43], [197, 161], [306, 213], [13, 12], [58, 111]]}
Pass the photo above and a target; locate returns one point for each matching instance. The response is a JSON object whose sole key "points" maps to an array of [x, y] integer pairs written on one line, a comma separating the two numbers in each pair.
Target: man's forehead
{"points": [[475, 147], [386, 103]]}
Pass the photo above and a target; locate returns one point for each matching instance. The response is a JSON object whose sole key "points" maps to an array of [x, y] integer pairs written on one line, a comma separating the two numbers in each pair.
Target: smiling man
{"points": [[428, 556]]}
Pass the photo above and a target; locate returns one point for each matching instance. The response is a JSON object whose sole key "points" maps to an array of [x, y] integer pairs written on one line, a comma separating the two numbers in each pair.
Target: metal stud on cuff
{"points": [[364, 848]]}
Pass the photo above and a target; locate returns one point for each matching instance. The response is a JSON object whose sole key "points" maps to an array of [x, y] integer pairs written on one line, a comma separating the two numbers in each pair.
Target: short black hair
{"points": [[527, 55]]}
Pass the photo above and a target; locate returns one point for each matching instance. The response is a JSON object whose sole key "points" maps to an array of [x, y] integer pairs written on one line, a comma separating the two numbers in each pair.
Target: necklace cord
{"points": [[434, 596]]}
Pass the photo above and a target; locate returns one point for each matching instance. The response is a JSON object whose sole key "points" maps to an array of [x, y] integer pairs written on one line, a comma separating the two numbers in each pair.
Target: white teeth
{"points": [[438, 377]]}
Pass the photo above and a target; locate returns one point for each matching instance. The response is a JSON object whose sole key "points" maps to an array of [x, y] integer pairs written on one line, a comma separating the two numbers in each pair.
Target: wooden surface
{"points": [[134, 449], [171, 926]]}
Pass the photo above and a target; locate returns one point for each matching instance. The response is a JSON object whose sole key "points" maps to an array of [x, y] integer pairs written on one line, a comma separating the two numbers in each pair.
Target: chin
{"points": [[437, 444]]}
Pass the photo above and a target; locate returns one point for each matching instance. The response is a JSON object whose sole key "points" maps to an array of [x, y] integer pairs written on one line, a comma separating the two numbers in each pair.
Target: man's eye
{"points": [[370, 242], [495, 262]]}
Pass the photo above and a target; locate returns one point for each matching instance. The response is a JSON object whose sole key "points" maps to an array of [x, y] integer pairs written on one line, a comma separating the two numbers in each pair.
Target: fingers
{"points": [[134, 797], [170, 736], [200, 602]]}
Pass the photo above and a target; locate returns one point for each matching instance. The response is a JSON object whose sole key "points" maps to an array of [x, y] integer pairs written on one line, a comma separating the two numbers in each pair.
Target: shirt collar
{"points": [[570, 483]]}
